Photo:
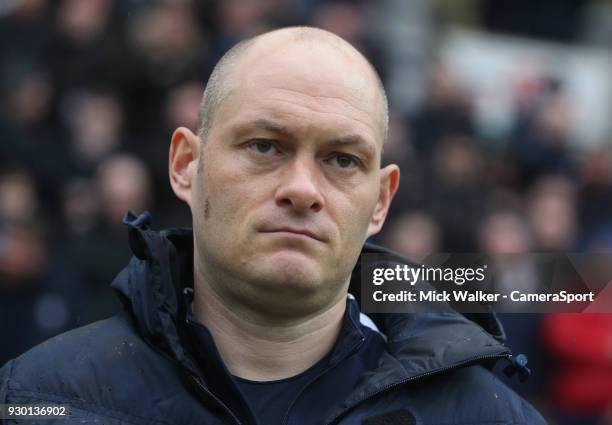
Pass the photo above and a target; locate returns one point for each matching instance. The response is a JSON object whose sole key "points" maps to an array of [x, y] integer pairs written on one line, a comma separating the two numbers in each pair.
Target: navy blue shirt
{"points": [[270, 401], [301, 399]]}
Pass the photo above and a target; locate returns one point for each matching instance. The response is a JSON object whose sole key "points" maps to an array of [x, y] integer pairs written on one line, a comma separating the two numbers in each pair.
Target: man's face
{"points": [[289, 176]]}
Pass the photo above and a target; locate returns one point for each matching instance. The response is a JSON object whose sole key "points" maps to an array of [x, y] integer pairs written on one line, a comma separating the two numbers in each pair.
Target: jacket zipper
{"points": [[415, 378], [217, 399]]}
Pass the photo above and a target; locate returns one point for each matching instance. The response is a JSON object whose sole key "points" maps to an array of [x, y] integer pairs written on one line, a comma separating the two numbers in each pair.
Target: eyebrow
{"points": [[274, 127], [267, 125], [354, 140]]}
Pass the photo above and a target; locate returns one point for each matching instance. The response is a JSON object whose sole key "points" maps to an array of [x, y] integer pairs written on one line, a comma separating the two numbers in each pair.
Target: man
{"points": [[246, 320]]}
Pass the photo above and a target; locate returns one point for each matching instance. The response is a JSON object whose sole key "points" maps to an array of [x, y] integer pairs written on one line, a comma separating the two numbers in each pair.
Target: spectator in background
{"points": [[18, 196], [446, 112], [240, 20], [595, 201], [96, 249], [581, 349], [95, 123], [457, 195], [415, 235], [167, 43], [35, 304], [124, 185], [542, 132], [399, 144], [182, 105], [81, 207], [85, 45], [37, 299], [27, 130], [347, 20], [551, 206]]}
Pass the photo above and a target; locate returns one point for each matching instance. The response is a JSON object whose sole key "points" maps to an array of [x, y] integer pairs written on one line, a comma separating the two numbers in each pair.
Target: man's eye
{"points": [[262, 147], [344, 161]]}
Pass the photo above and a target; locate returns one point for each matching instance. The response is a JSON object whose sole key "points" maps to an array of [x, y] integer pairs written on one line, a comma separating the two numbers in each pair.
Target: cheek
{"points": [[354, 216], [224, 195], [221, 219], [231, 195]]}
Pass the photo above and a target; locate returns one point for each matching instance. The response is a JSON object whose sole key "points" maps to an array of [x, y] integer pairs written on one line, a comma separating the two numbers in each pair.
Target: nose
{"points": [[299, 188]]}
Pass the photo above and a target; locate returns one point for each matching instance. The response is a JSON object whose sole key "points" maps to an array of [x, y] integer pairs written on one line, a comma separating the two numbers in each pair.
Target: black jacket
{"points": [[136, 367]]}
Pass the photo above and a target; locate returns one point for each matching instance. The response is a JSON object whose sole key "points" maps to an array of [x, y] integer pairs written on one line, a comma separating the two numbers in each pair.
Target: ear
{"points": [[183, 162], [389, 182]]}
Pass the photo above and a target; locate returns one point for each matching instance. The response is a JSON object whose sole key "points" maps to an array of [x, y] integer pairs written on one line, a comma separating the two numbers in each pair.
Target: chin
{"points": [[290, 271]]}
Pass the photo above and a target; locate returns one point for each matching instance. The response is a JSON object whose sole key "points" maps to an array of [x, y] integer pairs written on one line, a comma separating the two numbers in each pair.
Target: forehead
{"points": [[311, 86]]}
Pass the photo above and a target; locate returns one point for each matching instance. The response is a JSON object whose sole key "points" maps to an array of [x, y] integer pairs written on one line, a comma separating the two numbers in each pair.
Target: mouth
{"points": [[297, 232]]}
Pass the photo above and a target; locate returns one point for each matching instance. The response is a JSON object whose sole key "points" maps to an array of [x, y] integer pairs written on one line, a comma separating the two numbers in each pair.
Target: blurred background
{"points": [[501, 121]]}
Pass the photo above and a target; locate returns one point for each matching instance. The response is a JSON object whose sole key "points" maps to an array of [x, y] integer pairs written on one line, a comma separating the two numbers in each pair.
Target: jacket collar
{"points": [[151, 286]]}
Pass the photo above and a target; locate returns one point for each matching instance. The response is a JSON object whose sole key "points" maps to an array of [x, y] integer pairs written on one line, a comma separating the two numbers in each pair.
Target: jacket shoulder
{"points": [[475, 395], [101, 367]]}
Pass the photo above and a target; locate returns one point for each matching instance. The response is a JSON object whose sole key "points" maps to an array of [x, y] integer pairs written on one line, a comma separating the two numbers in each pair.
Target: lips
{"points": [[296, 231]]}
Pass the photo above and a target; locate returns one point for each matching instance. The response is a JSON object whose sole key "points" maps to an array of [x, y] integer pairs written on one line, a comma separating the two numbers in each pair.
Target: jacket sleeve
{"points": [[5, 373]]}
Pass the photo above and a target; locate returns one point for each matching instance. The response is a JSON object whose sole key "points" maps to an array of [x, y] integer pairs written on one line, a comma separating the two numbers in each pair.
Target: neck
{"points": [[261, 348]]}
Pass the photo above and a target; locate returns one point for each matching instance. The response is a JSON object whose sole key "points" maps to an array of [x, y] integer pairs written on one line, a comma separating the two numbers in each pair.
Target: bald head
{"points": [[226, 72]]}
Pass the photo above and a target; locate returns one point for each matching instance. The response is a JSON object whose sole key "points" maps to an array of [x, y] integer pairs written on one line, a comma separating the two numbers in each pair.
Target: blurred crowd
{"points": [[91, 90]]}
